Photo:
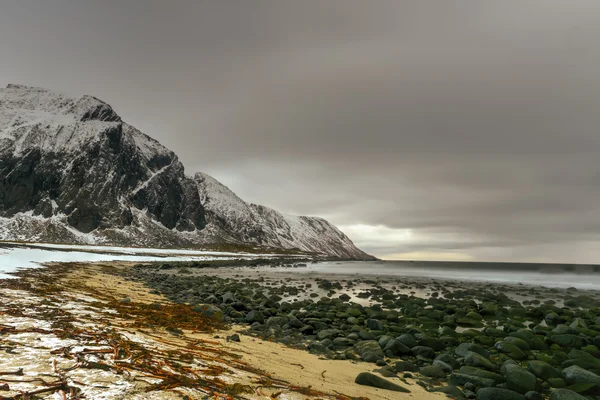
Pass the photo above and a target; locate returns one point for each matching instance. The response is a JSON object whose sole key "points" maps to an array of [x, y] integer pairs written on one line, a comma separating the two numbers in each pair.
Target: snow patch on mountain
{"points": [[71, 171], [228, 216]]}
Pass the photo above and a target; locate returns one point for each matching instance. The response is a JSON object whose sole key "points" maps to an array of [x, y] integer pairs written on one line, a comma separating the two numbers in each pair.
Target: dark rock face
{"points": [[98, 186], [78, 164]]}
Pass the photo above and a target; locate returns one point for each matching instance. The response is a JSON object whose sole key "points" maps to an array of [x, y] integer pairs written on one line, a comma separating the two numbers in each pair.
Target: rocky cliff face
{"points": [[231, 219], [72, 171]]}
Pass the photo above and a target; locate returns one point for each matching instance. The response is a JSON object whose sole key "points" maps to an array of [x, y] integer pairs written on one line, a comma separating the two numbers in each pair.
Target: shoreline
{"points": [[88, 294], [450, 335], [305, 335]]}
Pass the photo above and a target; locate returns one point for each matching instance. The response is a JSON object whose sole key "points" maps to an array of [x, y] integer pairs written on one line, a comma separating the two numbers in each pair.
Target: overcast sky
{"points": [[424, 129]]}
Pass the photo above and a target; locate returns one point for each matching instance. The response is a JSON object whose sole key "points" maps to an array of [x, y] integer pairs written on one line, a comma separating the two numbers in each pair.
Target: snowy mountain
{"points": [[231, 219], [72, 171]]}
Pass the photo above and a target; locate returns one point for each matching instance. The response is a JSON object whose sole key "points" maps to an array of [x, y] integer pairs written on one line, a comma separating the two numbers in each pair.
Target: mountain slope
{"points": [[71, 170], [231, 219]]}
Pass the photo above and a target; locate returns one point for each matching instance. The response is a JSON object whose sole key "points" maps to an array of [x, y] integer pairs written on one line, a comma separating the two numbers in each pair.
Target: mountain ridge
{"points": [[72, 170]]}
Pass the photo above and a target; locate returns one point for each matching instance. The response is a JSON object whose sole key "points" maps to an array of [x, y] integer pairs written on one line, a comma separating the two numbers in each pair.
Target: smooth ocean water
{"points": [[549, 275]]}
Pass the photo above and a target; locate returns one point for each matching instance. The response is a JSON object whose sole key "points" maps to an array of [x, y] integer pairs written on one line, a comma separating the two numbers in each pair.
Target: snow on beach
{"points": [[14, 256]]}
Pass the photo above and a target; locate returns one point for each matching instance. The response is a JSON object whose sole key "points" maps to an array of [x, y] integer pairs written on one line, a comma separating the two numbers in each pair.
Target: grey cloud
{"points": [[473, 125]]}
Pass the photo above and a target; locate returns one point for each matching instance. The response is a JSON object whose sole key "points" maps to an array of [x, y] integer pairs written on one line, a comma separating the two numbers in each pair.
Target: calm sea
{"points": [[549, 275]]}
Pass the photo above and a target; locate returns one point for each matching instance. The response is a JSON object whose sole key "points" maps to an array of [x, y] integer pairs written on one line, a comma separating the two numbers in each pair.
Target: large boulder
{"points": [[565, 394], [209, 311], [408, 340], [395, 348], [328, 334], [463, 348], [497, 378], [448, 359], [423, 351], [369, 350], [542, 370], [520, 343], [460, 379], [567, 340], [369, 379], [374, 324], [433, 371], [519, 379], [255, 316], [450, 390], [511, 350], [445, 367], [583, 359], [575, 374], [477, 360], [552, 319]]}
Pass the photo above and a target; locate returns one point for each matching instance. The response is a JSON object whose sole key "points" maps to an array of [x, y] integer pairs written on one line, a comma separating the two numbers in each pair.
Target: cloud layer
{"points": [[423, 129]]}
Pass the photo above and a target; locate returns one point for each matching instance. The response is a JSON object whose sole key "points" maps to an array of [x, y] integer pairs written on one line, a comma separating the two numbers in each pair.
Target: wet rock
{"points": [[317, 348], [567, 340], [395, 348], [558, 383], [369, 350], [228, 298], [561, 329], [448, 359], [255, 316], [366, 335], [434, 343], [520, 343], [445, 367], [497, 378], [519, 379], [498, 394], [477, 360], [462, 379], [369, 379], [513, 351], [402, 366], [583, 359], [328, 334], [344, 297], [423, 351], [233, 338], [464, 348], [575, 374], [374, 324], [577, 323], [433, 371], [494, 332], [450, 390], [384, 340], [542, 370], [408, 340], [533, 396], [209, 311], [565, 394], [552, 319]]}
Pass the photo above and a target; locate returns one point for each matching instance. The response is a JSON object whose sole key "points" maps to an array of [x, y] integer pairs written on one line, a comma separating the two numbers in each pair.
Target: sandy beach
{"points": [[62, 360]]}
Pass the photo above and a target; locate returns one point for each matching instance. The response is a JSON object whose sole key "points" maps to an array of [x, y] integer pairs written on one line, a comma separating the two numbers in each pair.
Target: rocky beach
{"points": [[273, 327], [465, 339], [97, 331]]}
